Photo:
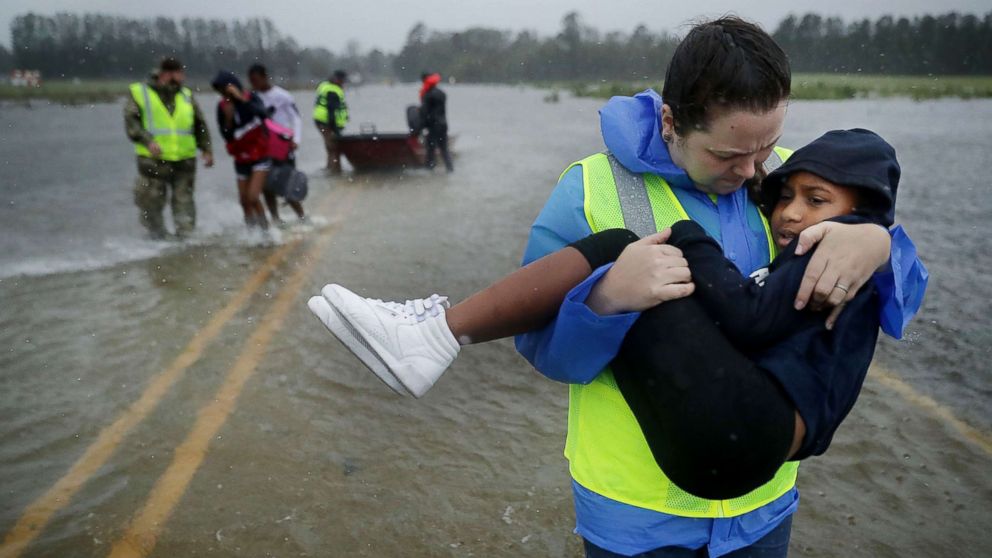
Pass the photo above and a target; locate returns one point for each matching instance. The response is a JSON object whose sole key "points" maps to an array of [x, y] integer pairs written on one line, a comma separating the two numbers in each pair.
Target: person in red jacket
{"points": [[241, 117], [433, 115]]}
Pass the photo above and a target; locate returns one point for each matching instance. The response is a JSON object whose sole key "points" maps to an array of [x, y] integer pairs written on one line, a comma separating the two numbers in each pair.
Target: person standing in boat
{"points": [[330, 113], [434, 119]]}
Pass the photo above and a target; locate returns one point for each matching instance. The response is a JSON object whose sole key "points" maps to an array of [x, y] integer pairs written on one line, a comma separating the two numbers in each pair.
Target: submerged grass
{"points": [[804, 87], [833, 87], [68, 92]]}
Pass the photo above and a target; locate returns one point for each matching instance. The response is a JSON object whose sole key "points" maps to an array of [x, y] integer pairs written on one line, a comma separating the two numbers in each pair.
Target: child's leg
{"points": [[530, 297], [273, 204], [297, 208], [409, 345], [256, 181], [522, 301], [717, 424]]}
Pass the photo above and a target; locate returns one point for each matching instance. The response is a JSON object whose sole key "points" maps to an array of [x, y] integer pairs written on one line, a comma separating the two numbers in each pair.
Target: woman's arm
{"points": [[849, 255], [578, 343]]}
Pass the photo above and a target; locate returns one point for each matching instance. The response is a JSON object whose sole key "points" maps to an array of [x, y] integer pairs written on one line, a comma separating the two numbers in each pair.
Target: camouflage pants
{"points": [[156, 179]]}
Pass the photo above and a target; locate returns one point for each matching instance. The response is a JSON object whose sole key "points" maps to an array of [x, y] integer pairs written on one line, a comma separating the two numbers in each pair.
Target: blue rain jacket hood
{"points": [[631, 128]]}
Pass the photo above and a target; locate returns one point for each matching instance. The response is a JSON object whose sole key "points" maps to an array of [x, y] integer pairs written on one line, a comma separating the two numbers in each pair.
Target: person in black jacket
{"points": [[241, 118], [434, 119]]}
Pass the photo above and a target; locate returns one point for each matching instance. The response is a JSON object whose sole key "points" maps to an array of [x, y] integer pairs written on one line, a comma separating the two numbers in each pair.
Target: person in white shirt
{"points": [[282, 109]]}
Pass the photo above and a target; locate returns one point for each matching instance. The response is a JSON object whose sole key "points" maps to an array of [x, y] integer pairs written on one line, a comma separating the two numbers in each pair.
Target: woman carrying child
{"points": [[686, 156]]}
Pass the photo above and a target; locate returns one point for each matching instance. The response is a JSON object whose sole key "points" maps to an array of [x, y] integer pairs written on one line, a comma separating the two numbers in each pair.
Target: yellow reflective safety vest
{"points": [[173, 132], [606, 450], [320, 113]]}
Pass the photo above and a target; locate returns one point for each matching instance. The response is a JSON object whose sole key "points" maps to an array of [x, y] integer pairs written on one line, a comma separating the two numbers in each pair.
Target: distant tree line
{"points": [[576, 52], [944, 44], [103, 46]]}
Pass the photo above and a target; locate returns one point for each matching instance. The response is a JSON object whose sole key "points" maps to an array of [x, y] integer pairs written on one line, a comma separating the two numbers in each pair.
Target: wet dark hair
{"points": [[258, 69], [170, 64], [724, 64]]}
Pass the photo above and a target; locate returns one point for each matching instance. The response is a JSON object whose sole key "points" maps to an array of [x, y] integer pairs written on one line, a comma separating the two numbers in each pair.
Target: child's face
{"points": [[805, 200]]}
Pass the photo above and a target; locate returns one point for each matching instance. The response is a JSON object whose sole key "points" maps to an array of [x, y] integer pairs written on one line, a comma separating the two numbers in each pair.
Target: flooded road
{"points": [[179, 400]]}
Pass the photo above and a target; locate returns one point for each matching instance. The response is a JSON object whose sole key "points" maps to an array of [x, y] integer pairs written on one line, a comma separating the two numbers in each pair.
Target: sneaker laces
{"points": [[418, 309]]}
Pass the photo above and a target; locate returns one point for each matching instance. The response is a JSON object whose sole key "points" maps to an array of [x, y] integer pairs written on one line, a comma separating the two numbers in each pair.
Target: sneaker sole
{"points": [[381, 355], [349, 337]]}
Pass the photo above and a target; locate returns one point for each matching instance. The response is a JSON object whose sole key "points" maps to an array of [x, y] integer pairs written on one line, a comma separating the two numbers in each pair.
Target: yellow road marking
{"points": [[927, 403], [39, 512], [142, 534]]}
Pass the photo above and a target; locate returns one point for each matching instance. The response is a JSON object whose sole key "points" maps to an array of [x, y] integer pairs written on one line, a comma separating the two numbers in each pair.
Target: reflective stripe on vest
{"points": [[320, 113], [606, 449], [774, 161], [173, 132]]}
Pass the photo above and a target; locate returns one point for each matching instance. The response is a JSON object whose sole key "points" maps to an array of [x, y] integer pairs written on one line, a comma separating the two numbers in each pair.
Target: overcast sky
{"points": [[385, 23]]}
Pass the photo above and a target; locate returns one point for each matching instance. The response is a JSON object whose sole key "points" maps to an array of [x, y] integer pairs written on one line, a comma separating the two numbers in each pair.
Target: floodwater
{"points": [[170, 400]]}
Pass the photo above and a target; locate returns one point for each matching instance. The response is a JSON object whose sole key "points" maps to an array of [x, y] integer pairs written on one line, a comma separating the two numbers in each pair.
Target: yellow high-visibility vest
{"points": [[320, 113], [606, 450], [173, 132]]}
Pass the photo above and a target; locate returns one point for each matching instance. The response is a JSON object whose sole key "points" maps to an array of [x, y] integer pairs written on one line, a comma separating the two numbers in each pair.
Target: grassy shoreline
{"points": [[810, 87], [67, 92], [804, 87]]}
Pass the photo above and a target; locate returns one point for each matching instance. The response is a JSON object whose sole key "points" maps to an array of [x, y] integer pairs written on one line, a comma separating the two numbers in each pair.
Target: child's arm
{"points": [[577, 343], [751, 315]]}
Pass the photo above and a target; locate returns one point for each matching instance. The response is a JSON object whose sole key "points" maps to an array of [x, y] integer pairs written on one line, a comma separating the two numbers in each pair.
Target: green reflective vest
{"points": [[173, 132], [320, 106], [606, 450]]}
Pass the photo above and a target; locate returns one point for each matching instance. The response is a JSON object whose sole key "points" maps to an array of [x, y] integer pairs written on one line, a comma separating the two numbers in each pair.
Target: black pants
{"points": [[718, 425], [437, 138]]}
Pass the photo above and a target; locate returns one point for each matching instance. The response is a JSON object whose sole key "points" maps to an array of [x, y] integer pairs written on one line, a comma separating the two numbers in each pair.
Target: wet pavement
{"points": [[179, 400]]}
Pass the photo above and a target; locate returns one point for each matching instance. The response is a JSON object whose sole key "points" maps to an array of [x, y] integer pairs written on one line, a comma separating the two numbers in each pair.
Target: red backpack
{"points": [[280, 140]]}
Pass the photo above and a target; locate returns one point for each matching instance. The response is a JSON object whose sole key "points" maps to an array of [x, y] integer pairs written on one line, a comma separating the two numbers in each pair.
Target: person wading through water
{"points": [[433, 114], [330, 114], [167, 128]]}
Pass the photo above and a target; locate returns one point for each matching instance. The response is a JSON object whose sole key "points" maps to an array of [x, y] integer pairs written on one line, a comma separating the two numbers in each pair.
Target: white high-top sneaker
{"points": [[407, 345]]}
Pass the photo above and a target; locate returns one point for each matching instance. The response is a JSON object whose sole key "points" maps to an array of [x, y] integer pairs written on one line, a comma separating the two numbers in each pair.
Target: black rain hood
{"points": [[855, 158], [225, 78]]}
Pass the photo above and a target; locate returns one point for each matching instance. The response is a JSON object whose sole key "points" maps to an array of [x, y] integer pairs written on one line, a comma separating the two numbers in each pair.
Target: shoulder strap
{"points": [[635, 205], [773, 161]]}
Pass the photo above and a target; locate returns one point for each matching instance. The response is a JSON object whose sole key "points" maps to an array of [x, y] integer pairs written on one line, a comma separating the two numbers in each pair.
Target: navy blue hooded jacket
{"points": [[821, 371]]}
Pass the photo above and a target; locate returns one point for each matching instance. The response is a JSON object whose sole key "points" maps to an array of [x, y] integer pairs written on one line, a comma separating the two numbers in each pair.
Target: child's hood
{"points": [[856, 158]]}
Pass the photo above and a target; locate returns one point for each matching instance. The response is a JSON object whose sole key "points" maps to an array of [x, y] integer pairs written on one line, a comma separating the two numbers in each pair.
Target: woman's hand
{"points": [[847, 257], [647, 273]]}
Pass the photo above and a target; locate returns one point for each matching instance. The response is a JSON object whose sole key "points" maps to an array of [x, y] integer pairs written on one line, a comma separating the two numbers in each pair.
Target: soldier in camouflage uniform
{"points": [[167, 128]]}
